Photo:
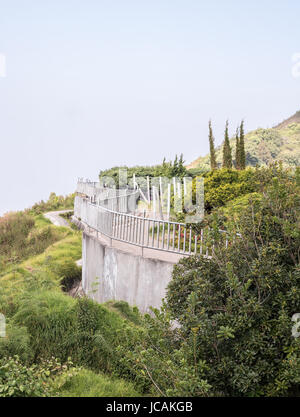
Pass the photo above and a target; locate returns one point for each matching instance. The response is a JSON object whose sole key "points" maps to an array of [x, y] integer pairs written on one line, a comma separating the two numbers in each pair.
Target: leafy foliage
{"points": [[234, 310], [166, 169], [224, 185], [54, 202], [19, 380], [239, 304]]}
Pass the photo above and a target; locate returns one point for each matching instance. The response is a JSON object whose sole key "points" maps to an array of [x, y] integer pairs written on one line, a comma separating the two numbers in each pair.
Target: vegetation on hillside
{"points": [[235, 310], [23, 235], [166, 169], [54, 202], [237, 307], [264, 146]]}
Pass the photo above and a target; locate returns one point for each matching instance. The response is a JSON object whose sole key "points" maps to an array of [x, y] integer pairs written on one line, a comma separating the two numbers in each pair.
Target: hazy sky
{"points": [[94, 84]]}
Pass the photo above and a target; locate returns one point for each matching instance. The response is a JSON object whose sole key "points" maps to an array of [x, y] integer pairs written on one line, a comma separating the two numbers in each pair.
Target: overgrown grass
{"points": [[23, 236], [44, 322], [45, 271], [41, 221], [123, 308], [89, 384]]}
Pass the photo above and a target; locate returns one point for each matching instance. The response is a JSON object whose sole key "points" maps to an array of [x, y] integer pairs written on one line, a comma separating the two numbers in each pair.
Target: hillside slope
{"points": [[263, 146]]}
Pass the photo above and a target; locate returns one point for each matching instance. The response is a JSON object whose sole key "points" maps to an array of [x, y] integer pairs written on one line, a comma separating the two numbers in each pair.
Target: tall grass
{"points": [[23, 236], [89, 384], [45, 271], [43, 322], [50, 319]]}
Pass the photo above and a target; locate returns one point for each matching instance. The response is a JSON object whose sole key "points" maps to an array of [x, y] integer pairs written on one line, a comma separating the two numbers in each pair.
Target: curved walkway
{"points": [[57, 220]]}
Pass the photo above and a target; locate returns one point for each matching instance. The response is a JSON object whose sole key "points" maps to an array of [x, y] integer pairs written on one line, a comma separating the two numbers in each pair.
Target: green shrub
{"points": [[130, 313], [50, 319], [54, 202], [19, 380], [160, 362], [61, 326], [236, 308], [67, 271], [223, 185], [98, 333]]}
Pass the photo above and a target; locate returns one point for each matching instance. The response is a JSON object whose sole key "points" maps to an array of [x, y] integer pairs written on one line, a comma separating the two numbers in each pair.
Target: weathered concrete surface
{"points": [[110, 273]]}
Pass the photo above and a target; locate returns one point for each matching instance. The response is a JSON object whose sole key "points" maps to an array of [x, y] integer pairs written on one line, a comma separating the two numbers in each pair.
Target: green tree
{"points": [[227, 157], [237, 150], [242, 154], [181, 169], [213, 160], [175, 166], [236, 308]]}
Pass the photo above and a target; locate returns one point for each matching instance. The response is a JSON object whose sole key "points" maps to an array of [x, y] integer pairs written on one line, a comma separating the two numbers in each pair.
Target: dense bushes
{"points": [[22, 380], [49, 318], [55, 202], [221, 186], [48, 324], [238, 305], [166, 169], [61, 326]]}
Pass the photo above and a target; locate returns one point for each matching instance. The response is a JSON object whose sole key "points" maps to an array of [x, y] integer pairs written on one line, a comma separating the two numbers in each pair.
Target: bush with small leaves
{"points": [[37, 380], [237, 306]]}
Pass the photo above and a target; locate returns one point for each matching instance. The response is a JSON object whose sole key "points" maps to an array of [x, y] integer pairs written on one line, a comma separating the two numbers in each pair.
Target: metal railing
{"points": [[103, 217]]}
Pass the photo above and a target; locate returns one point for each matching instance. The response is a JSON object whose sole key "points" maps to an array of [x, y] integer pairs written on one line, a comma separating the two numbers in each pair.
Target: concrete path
{"points": [[57, 220]]}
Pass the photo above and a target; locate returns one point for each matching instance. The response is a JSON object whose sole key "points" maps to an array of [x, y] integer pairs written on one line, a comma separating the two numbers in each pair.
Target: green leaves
{"points": [[22, 380], [235, 309], [225, 332]]}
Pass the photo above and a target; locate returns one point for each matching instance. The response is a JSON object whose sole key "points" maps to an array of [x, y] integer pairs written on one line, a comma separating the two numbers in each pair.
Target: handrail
{"points": [[145, 232]]}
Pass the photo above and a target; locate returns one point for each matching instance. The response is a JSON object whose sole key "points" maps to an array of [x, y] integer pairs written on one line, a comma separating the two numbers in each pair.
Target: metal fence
{"points": [[102, 216]]}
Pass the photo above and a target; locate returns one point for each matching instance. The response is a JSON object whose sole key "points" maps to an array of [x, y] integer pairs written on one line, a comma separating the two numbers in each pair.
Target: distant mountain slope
{"points": [[263, 146]]}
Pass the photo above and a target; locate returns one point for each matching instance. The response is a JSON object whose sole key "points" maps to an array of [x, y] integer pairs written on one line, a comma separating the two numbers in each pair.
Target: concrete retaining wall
{"points": [[109, 273]]}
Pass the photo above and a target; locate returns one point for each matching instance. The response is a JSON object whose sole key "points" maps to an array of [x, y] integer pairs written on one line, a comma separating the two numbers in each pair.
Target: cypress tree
{"points": [[175, 166], [213, 159], [181, 168], [242, 153], [237, 150], [227, 158]]}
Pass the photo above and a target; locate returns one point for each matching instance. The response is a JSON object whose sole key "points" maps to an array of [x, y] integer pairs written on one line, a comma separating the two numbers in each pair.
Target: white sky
{"points": [[94, 84]]}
